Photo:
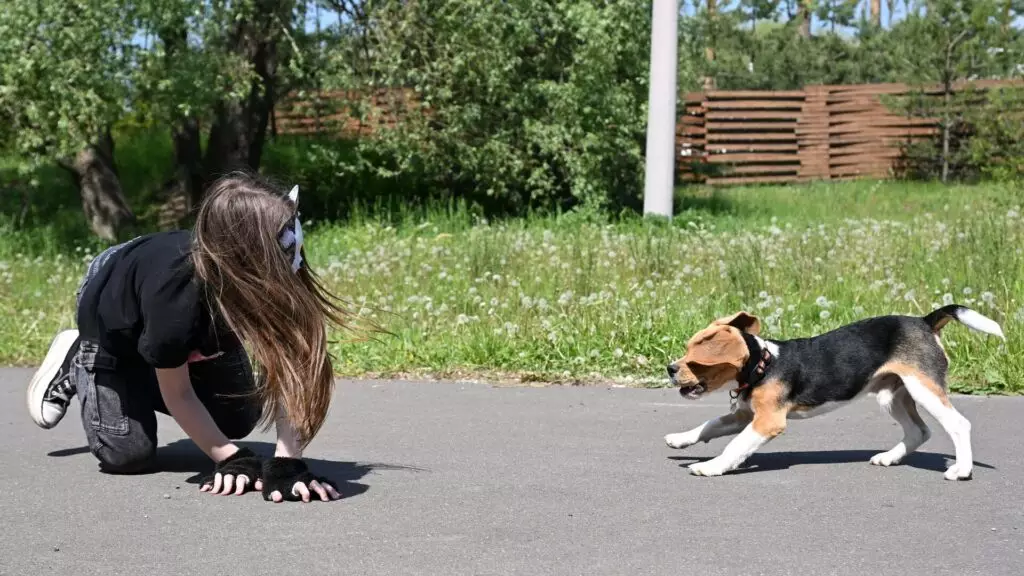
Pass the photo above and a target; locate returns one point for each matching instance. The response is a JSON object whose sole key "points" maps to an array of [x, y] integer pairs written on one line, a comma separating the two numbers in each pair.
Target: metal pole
{"points": [[659, 175]]}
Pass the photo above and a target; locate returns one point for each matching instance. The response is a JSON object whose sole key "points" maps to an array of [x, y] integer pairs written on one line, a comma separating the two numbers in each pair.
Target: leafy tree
{"points": [[953, 40], [837, 12], [64, 81], [511, 104]]}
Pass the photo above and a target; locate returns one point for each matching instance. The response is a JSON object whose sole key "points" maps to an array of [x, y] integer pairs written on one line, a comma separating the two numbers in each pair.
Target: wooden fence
{"points": [[818, 133], [339, 113], [722, 137]]}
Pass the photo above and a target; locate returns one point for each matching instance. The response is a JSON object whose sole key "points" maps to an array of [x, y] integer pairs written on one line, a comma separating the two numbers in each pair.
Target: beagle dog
{"points": [[900, 359]]}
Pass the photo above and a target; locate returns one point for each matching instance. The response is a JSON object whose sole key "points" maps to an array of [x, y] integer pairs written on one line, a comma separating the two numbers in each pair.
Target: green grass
{"points": [[583, 297]]}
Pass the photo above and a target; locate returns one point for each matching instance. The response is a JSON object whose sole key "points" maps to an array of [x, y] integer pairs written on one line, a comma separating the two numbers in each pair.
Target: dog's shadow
{"points": [[767, 461], [183, 457]]}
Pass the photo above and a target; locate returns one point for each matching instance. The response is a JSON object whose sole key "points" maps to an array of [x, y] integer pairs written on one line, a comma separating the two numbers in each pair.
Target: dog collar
{"points": [[757, 364]]}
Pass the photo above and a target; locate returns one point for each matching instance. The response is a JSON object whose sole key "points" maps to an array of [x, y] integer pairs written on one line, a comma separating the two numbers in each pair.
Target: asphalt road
{"points": [[452, 479]]}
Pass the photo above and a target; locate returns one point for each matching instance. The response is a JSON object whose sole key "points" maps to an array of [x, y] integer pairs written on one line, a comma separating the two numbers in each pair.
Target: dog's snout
{"points": [[672, 370]]}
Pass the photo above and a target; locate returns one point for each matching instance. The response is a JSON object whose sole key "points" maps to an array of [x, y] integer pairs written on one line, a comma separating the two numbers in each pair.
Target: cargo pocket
{"points": [[105, 390]]}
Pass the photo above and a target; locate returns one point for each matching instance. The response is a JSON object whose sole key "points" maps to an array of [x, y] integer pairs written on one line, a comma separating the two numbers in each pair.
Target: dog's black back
{"points": [[835, 366]]}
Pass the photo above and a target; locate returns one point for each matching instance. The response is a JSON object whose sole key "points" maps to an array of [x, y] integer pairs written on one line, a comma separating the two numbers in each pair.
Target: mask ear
{"points": [[293, 195], [718, 346], [742, 320]]}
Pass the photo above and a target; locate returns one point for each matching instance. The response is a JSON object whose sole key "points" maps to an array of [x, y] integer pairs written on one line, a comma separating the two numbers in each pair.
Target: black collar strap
{"points": [[757, 364]]}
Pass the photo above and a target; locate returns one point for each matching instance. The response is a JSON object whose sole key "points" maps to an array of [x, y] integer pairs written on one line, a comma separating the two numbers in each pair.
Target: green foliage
{"points": [[957, 39], [588, 297], [183, 67], [513, 104], [64, 73], [996, 148]]}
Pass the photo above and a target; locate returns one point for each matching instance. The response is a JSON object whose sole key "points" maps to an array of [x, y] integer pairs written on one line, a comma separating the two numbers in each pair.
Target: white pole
{"points": [[659, 175]]}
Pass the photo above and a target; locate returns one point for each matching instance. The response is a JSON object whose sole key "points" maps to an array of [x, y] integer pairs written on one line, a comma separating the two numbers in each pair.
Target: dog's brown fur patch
{"points": [[714, 356], [898, 368], [741, 320], [770, 408]]}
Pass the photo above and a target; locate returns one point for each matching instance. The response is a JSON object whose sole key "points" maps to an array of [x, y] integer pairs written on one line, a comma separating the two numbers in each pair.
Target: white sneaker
{"points": [[51, 390]]}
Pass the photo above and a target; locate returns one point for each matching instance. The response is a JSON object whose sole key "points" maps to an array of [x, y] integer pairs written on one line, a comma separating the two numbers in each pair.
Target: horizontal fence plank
{"points": [[753, 94], [754, 105], [751, 158], [763, 169], [752, 180], [759, 147], [751, 137], [750, 126], [753, 115]]}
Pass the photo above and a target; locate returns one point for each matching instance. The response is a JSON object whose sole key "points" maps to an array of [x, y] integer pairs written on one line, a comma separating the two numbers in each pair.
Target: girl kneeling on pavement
{"points": [[161, 324]]}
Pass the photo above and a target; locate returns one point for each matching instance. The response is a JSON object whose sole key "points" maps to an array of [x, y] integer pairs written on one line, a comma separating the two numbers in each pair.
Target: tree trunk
{"points": [[709, 49], [183, 191], [187, 180], [188, 155], [803, 17], [239, 128], [102, 199], [946, 93], [876, 12]]}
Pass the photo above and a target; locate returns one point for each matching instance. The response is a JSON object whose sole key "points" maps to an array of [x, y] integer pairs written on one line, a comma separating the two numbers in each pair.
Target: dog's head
{"points": [[714, 356]]}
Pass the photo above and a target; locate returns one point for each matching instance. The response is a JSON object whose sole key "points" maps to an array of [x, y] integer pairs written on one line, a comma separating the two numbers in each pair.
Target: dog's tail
{"points": [[974, 320]]}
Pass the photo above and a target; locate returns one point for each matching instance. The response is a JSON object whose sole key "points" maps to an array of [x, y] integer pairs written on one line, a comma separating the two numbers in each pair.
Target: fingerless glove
{"points": [[281, 474], [245, 462]]}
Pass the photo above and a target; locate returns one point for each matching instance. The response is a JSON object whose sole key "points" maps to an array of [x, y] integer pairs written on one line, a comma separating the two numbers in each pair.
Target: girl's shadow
{"points": [[183, 456]]}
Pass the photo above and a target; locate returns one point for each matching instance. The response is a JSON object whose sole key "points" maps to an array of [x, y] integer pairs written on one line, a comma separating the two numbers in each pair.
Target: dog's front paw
{"points": [[680, 440], [707, 468], [890, 458], [958, 472]]}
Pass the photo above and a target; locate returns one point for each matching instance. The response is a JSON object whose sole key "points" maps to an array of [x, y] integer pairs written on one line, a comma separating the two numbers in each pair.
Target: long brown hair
{"points": [[282, 316]]}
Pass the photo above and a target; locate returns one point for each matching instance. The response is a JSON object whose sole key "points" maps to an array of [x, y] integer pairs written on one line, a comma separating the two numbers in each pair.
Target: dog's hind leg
{"points": [[901, 406], [930, 394], [726, 425]]}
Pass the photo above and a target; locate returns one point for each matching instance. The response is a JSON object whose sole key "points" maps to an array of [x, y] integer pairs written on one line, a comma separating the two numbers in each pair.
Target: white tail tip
{"points": [[979, 322]]}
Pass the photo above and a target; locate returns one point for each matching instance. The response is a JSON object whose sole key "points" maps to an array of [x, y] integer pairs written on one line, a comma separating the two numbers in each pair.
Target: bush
{"points": [[513, 104], [997, 146], [986, 137]]}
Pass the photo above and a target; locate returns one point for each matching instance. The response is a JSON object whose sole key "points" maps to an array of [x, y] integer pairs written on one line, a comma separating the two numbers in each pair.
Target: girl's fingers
{"points": [[259, 485], [300, 489], [217, 479], [205, 487], [240, 483], [229, 481], [316, 487], [332, 492], [276, 496]]}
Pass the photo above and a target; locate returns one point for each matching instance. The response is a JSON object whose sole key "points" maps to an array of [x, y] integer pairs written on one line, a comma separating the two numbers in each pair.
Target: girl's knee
{"points": [[125, 459]]}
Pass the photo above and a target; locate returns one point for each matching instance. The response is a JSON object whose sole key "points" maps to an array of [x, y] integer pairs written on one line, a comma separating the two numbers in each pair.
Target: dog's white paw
{"points": [[890, 458], [958, 472], [707, 468], [680, 440]]}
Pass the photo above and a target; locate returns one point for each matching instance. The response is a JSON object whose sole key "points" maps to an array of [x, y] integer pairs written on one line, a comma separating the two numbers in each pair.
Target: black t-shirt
{"points": [[145, 303]]}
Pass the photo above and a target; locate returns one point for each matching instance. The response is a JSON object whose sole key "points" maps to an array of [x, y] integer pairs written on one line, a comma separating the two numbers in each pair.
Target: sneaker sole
{"points": [[59, 349]]}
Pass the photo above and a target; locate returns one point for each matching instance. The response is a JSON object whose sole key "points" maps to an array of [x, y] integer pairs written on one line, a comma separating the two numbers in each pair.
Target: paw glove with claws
{"points": [[245, 462], [282, 474]]}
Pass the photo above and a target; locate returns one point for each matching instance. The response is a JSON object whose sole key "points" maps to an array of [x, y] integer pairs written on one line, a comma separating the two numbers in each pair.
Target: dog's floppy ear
{"points": [[742, 320], [716, 346]]}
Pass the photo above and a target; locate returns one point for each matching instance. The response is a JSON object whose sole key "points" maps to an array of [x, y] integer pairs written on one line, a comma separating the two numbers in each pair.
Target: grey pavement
{"points": [[452, 479]]}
